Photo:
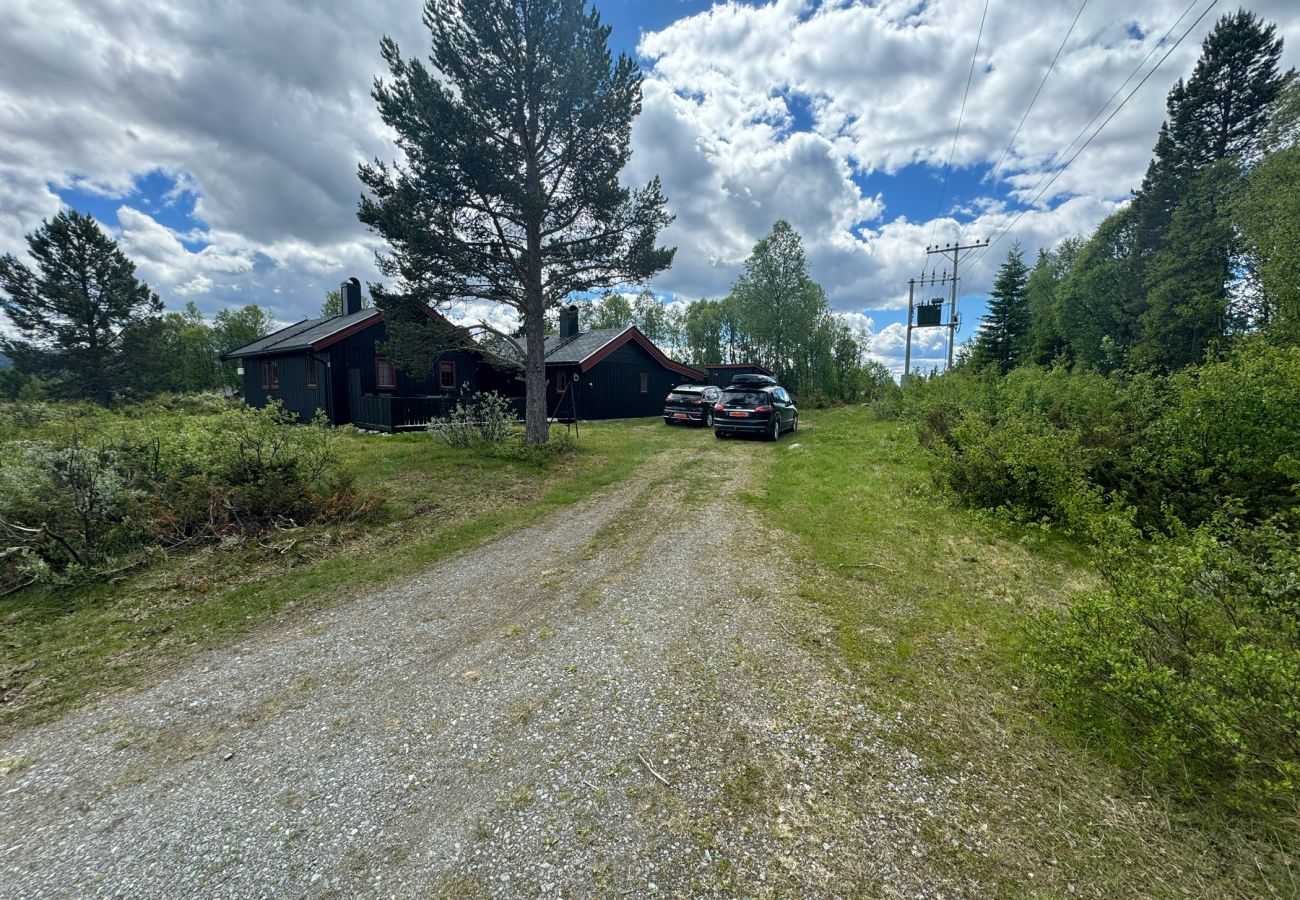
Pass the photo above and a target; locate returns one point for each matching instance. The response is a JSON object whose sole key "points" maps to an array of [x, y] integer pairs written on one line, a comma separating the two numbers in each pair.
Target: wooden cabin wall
{"points": [[612, 388], [293, 393]]}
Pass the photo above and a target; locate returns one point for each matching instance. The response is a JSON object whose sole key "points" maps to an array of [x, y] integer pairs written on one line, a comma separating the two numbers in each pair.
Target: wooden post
{"points": [[907, 353]]}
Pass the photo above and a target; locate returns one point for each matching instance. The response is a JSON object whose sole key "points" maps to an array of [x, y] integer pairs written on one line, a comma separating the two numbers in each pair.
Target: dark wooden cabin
{"points": [[332, 364], [608, 373], [720, 374]]}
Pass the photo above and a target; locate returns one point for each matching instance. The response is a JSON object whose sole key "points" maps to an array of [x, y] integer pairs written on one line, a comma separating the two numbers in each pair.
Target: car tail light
{"points": [[718, 407], [696, 402], [762, 409]]}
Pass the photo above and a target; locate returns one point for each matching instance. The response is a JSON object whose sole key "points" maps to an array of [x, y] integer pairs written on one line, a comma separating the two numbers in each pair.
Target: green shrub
{"points": [[1232, 433], [480, 419], [67, 505], [102, 484], [1188, 663], [1031, 472]]}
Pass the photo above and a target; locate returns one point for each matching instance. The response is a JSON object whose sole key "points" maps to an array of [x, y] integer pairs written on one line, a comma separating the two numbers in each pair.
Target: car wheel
{"points": [[719, 434], [667, 421], [708, 418], [774, 434]]}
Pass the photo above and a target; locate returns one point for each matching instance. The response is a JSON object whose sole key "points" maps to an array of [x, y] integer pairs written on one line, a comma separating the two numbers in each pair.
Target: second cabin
{"points": [[608, 373]]}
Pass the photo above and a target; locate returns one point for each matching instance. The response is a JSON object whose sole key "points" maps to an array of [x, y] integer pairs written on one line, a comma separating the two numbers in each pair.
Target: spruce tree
{"points": [[1219, 113], [71, 312], [1002, 329]]}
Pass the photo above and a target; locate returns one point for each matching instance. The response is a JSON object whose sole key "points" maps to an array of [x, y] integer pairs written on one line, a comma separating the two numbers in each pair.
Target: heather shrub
{"points": [[93, 488]]}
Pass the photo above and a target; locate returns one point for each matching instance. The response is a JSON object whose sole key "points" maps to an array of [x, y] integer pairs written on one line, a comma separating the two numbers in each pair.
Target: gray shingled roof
{"points": [[579, 347], [301, 335]]}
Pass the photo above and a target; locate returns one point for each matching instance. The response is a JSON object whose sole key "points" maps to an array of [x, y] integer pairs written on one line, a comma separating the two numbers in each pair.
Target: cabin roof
{"points": [[588, 348], [317, 334], [309, 334], [577, 348]]}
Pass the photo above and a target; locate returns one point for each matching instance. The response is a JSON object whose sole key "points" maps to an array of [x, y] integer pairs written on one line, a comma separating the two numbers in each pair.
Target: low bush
{"points": [[480, 419], [1025, 470], [1188, 662], [92, 489], [1175, 447]]}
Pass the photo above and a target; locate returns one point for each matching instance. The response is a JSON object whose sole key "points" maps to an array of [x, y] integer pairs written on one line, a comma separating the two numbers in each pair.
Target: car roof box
{"points": [[753, 380]]}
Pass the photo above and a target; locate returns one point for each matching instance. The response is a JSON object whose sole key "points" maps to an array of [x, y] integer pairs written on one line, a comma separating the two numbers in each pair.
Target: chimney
{"points": [[568, 322], [350, 291]]}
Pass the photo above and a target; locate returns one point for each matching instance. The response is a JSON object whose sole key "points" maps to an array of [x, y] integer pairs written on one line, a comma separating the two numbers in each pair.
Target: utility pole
{"points": [[956, 251], [928, 314], [907, 353]]}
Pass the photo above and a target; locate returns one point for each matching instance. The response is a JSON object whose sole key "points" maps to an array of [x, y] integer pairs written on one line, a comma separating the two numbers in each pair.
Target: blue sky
{"points": [[219, 141]]}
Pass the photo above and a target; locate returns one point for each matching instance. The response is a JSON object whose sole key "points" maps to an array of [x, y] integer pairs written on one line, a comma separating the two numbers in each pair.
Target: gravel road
{"points": [[627, 699]]}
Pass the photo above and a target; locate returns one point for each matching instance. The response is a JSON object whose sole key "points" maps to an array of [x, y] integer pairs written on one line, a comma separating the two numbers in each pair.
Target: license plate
{"points": [[680, 416], [738, 415]]}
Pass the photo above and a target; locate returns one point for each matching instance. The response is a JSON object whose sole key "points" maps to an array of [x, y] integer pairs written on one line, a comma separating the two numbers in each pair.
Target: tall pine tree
{"points": [[508, 189], [1002, 330], [72, 310]]}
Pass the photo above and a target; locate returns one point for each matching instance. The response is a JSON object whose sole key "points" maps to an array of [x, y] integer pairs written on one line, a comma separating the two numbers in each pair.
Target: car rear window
{"points": [[684, 395], [744, 398]]}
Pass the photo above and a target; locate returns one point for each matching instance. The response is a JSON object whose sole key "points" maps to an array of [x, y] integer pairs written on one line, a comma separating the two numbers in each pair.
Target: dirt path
{"points": [[490, 727]]}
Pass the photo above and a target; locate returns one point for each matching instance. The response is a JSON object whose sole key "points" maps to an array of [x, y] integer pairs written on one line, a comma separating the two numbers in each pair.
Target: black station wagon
{"points": [[691, 403], [754, 404]]}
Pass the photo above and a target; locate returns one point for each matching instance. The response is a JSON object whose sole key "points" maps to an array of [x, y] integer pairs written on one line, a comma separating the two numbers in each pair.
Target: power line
{"points": [[961, 115], [1060, 171], [1034, 99]]}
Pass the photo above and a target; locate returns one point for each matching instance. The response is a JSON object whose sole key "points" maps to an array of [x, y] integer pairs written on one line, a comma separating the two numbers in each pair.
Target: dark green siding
{"points": [[611, 389], [293, 393]]}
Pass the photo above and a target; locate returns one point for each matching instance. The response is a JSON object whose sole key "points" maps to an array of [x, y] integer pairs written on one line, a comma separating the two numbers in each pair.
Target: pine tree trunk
{"points": [[536, 427]]}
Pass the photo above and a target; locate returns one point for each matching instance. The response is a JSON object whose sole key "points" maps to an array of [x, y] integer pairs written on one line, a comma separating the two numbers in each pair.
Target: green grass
{"points": [[927, 603], [60, 646]]}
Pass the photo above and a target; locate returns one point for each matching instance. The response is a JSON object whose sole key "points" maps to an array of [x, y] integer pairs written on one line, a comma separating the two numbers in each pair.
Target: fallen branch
{"points": [[645, 762], [867, 566], [13, 590]]}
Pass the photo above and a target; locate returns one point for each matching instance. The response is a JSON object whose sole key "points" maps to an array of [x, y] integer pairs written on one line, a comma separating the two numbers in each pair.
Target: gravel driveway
{"points": [[626, 699]]}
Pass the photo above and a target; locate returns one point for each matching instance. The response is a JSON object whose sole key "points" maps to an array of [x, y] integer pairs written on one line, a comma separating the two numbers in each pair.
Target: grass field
{"points": [[927, 603], [62, 645]]}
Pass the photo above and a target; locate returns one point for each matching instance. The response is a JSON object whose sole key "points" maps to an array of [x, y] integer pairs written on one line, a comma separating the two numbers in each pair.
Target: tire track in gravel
{"points": [[484, 729]]}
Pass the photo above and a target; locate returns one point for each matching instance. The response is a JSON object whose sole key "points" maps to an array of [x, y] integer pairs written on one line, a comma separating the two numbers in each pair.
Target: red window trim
{"points": [[311, 373], [380, 384], [270, 375], [445, 366]]}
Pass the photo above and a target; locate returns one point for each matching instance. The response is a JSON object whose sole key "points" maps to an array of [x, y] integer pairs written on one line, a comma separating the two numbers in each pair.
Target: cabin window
{"points": [[561, 381], [645, 382], [447, 375], [385, 374], [311, 374], [270, 375]]}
